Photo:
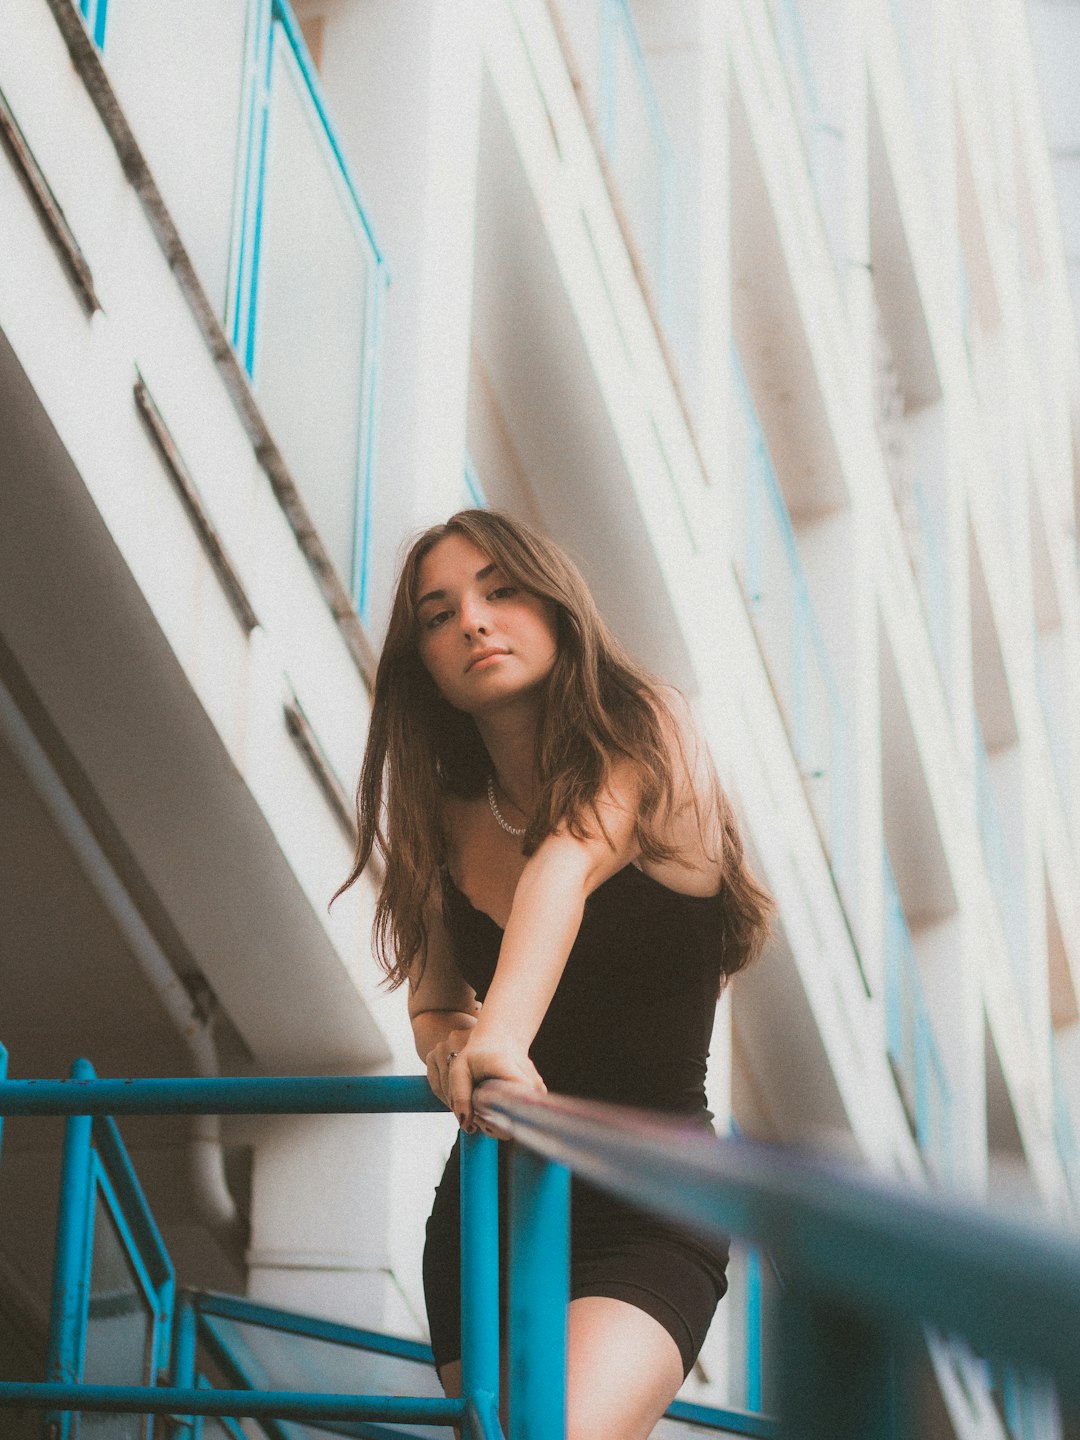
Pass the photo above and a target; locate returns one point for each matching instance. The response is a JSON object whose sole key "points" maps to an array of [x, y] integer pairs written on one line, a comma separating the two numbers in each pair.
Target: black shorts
{"points": [[615, 1251]]}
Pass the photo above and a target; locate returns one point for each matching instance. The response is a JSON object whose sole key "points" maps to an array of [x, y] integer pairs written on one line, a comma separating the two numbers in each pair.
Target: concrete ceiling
{"points": [[69, 985], [108, 699]]}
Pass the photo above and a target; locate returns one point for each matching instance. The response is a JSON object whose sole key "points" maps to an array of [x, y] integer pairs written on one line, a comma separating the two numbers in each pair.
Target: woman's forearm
{"points": [[544, 921], [431, 1026]]}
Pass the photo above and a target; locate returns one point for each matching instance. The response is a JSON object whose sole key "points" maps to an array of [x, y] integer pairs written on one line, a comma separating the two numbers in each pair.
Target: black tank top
{"points": [[632, 1016]]}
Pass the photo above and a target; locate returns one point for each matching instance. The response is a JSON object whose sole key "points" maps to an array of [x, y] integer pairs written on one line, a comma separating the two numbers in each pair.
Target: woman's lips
{"points": [[485, 658]]}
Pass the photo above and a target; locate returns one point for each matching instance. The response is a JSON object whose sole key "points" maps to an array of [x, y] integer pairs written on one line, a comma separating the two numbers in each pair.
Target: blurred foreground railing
{"points": [[865, 1265]]}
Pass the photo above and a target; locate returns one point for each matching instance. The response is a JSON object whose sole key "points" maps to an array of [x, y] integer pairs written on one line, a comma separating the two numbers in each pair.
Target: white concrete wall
{"points": [[516, 327]]}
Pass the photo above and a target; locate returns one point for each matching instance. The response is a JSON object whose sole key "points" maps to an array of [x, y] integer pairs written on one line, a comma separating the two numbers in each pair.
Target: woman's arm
{"points": [[443, 1009], [544, 920]]}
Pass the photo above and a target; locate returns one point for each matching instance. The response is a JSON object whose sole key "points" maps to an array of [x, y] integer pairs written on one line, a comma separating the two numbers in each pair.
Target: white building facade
{"points": [[760, 309]]}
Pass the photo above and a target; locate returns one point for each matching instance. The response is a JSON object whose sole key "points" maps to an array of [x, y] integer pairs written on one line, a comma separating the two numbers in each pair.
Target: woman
{"points": [[565, 894]]}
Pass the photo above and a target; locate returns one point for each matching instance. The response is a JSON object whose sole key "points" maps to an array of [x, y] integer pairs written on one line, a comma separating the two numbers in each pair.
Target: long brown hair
{"points": [[597, 706]]}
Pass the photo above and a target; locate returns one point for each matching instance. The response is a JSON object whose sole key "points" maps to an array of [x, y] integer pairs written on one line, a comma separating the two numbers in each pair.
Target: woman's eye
{"points": [[503, 592], [434, 621]]}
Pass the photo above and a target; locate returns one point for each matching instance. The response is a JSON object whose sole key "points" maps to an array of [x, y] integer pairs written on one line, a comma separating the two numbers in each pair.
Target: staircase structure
{"points": [[864, 1269]]}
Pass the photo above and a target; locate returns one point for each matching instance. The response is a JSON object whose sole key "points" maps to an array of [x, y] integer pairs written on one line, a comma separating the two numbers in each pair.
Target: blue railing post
{"points": [[184, 1341], [3, 1076], [70, 1278], [479, 1269], [754, 1328], [539, 1296]]}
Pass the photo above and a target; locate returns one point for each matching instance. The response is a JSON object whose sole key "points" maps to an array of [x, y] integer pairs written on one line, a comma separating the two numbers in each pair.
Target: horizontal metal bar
{"points": [[731, 1422], [236, 1404], [254, 1095], [904, 1256], [483, 1414], [252, 1312], [355, 1430]]}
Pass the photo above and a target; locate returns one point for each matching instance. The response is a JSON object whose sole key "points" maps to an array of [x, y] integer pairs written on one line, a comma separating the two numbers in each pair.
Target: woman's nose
{"points": [[474, 619]]}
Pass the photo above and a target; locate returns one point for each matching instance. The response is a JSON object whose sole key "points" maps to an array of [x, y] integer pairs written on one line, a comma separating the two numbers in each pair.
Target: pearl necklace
{"points": [[500, 819]]}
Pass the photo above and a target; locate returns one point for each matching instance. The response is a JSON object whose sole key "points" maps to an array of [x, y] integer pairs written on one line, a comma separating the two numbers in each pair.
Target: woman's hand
{"points": [[438, 1060], [481, 1059]]}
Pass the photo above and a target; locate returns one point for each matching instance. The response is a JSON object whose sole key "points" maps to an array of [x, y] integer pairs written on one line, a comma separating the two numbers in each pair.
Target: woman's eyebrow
{"points": [[481, 574]]}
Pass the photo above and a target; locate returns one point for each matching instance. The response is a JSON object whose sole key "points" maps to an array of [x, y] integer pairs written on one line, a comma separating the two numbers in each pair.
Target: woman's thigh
{"points": [[623, 1371]]}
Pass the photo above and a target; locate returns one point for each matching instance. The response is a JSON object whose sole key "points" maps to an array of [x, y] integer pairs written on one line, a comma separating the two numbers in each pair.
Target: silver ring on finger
{"points": [[452, 1055]]}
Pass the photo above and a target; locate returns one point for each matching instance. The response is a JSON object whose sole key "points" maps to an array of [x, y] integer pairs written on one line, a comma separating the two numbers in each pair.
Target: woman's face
{"points": [[483, 639]]}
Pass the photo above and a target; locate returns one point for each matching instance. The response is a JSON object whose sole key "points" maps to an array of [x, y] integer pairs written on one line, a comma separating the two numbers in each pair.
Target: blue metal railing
{"points": [[256, 1347], [1005, 877], [911, 1042], [817, 718], [864, 1264], [754, 1329], [1022, 1402], [538, 1280], [637, 145]]}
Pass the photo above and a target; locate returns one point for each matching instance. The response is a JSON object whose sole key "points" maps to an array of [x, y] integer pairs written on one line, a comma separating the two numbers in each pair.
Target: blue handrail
{"points": [[538, 1230], [864, 1263], [856, 1246]]}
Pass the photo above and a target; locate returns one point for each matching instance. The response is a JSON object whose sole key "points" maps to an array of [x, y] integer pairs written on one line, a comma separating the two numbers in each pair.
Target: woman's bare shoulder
{"points": [[693, 824], [689, 754]]}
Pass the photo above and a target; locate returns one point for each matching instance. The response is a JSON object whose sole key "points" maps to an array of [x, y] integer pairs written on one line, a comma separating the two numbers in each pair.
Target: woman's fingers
{"points": [[460, 1088], [467, 1069], [438, 1073], [434, 1079]]}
